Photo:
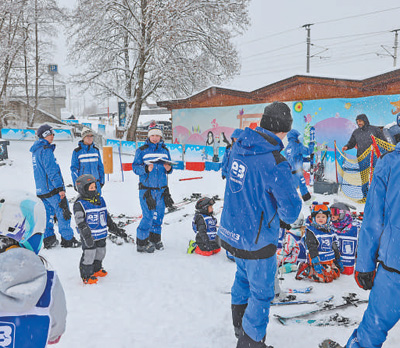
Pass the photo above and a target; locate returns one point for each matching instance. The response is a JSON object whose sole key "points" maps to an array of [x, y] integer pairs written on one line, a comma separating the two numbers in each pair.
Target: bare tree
{"points": [[134, 49]]}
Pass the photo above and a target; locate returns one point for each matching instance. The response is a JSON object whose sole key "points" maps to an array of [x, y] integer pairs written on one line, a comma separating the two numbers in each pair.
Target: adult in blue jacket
{"points": [[150, 165], [378, 262], [224, 168], [260, 192], [294, 153], [86, 159], [51, 190]]}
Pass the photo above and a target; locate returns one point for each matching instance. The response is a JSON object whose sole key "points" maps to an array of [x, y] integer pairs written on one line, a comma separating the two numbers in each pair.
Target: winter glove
{"points": [[120, 232], [339, 264], [283, 224], [169, 203], [365, 280], [317, 265], [86, 234], [151, 203], [64, 206]]}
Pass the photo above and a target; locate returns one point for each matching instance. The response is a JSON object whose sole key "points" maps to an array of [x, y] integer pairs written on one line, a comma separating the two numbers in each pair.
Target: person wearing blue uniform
{"points": [[51, 190], [152, 165], [378, 262], [259, 192], [205, 226], [294, 153], [224, 167], [92, 221], [86, 159], [346, 229], [33, 310]]}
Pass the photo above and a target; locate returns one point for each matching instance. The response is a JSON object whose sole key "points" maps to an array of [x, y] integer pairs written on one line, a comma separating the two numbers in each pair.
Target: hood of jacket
{"points": [[41, 143], [236, 133], [364, 118], [258, 141], [293, 135]]}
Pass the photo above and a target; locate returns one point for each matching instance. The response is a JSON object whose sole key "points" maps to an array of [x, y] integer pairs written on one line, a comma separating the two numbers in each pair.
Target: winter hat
{"points": [[44, 131], [155, 131], [85, 132], [277, 118], [363, 117]]}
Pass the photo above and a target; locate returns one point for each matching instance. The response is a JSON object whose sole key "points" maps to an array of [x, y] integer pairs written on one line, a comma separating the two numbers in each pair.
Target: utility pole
{"points": [[307, 27], [396, 35]]}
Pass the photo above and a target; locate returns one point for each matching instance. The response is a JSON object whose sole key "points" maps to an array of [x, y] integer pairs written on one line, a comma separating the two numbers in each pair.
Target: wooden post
{"points": [[108, 159]]}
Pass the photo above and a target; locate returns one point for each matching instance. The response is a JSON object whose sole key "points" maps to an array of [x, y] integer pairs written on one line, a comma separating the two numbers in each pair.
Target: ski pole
{"points": [[194, 178], [120, 161]]}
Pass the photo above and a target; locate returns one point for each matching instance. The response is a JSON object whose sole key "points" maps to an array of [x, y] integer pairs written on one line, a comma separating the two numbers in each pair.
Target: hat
{"points": [[277, 118], [85, 132], [155, 131], [44, 131]]}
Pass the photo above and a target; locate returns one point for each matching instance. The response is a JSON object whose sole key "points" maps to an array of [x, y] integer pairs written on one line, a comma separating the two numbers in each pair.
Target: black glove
{"points": [[151, 203], [284, 225], [365, 280], [120, 232], [64, 206], [169, 202], [86, 234]]}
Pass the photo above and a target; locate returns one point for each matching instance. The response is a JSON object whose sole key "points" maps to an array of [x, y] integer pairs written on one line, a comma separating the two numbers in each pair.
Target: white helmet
{"points": [[22, 218]]}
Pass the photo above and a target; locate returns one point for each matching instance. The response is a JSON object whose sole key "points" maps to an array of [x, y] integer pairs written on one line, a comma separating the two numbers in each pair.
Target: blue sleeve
{"points": [[138, 165], [373, 222], [52, 169], [285, 193], [74, 167], [225, 161], [101, 169], [169, 159]]}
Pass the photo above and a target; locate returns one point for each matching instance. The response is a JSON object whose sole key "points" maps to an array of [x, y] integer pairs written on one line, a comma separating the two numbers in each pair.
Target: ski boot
{"points": [[330, 344], [50, 242], [101, 273], [72, 243], [245, 341], [192, 246], [145, 246], [90, 280], [159, 245]]}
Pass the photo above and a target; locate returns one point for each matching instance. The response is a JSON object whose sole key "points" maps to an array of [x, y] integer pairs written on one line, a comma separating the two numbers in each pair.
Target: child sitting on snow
{"points": [[92, 220], [205, 226], [322, 248], [346, 228]]}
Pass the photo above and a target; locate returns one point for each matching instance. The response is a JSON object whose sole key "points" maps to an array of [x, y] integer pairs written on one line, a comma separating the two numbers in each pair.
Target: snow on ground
{"points": [[169, 298]]}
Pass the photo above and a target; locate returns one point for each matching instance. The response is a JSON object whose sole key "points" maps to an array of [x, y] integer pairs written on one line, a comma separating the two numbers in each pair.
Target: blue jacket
{"points": [[224, 167], [295, 151], [259, 191], [86, 159], [47, 173], [379, 237], [157, 178]]}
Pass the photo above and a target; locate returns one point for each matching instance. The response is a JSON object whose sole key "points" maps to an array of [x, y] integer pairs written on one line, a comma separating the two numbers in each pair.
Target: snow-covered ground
{"points": [[169, 298]]}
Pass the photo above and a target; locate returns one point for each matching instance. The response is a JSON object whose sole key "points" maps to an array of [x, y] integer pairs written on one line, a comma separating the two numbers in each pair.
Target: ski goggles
{"points": [[47, 133], [320, 208]]}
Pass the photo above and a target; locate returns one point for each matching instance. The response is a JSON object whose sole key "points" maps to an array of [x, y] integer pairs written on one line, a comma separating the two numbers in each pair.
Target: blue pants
{"points": [[52, 208], [254, 285], [382, 313], [151, 219], [301, 182]]}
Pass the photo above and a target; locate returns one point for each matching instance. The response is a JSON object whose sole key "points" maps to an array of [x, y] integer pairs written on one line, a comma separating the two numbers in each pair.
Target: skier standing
{"points": [[86, 159], [294, 153], [50, 189], [32, 302], [260, 177], [92, 220], [153, 189]]}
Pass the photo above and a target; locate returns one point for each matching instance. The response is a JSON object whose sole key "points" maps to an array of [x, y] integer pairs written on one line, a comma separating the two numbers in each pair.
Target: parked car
{"points": [[167, 125]]}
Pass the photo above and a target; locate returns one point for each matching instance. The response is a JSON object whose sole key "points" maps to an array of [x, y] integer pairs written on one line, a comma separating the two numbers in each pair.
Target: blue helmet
{"points": [[22, 218]]}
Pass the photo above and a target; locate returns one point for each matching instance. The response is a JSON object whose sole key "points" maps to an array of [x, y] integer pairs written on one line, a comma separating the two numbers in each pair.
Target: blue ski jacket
{"points": [[47, 172], [259, 191], [379, 237], [295, 150], [86, 159], [147, 154]]}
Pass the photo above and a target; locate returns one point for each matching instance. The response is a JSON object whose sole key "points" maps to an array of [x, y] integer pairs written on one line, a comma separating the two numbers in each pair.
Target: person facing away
{"points": [[224, 167], [51, 190], [92, 220], [154, 196], [324, 261], [86, 159], [33, 310], [378, 263], [259, 192], [205, 226], [294, 153], [361, 137]]}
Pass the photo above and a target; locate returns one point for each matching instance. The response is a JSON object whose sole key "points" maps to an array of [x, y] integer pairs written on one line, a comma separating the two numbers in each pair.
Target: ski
{"points": [[333, 320], [306, 290], [193, 198], [292, 301], [350, 300], [120, 240]]}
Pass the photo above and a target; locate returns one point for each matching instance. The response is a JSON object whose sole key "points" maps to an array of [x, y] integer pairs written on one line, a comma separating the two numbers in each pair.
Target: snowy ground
{"points": [[169, 298]]}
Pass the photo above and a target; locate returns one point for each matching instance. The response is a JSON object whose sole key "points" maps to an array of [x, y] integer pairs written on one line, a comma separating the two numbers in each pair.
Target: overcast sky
{"points": [[346, 38]]}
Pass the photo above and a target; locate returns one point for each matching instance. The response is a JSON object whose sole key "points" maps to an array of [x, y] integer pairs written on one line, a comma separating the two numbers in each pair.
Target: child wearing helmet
{"points": [[92, 220], [346, 228], [323, 254], [32, 302], [205, 226]]}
